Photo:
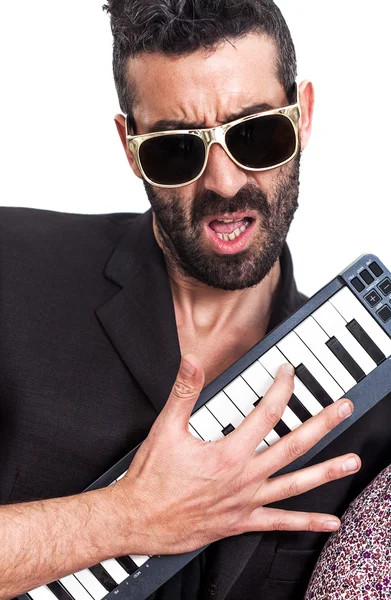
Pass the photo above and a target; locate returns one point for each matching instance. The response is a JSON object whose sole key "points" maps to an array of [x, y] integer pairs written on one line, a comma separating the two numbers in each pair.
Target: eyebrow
{"points": [[170, 124]]}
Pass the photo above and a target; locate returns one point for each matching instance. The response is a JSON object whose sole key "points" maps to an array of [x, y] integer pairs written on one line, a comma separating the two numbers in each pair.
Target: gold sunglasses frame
{"points": [[215, 135]]}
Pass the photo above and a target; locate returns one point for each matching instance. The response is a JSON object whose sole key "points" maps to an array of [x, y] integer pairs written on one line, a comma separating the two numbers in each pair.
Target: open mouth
{"points": [[229, 230]]}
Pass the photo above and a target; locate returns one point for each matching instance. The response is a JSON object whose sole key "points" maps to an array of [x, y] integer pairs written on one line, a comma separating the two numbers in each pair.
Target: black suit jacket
{"points": [[88, 355]]}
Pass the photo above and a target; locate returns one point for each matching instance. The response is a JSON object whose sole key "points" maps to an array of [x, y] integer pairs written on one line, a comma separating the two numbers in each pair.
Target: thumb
{"points": [[185, 391]]}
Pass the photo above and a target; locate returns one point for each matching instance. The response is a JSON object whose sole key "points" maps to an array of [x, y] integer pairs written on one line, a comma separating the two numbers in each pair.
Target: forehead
{"points": [[205, 87]]}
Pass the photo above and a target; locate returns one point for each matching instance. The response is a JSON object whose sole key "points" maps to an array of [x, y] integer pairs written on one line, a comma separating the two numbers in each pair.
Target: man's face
{"points": [[207, 90]]}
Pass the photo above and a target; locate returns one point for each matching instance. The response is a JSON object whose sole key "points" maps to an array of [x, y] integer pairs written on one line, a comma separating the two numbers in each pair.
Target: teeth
{"points": [[230, 237]]}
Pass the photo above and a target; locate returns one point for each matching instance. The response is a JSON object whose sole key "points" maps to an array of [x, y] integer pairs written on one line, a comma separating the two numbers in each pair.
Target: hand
{"points": [[182, 493]]}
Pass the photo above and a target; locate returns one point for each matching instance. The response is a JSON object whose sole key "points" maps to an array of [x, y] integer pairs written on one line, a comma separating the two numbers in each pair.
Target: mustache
{"points": [[208, 203]]}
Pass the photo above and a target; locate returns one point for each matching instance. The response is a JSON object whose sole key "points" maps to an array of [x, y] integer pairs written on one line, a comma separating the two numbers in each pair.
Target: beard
{"points": [[182, 234]]}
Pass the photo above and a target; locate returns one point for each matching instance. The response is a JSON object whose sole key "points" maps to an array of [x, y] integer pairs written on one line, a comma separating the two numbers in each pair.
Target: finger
{"points": [[276, 519], [185, 392], [256, 426], [299, 441], [299, 482]]}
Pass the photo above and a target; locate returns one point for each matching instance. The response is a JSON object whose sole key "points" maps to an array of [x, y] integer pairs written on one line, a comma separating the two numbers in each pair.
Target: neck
{"points": [[204, 311]]}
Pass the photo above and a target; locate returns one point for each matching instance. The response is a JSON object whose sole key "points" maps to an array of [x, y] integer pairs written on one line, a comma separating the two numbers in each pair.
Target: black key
{"points": [[257, 401], [366, 342], [299, 409], [60, 592], [346, 359], [127, 563], [103, 577], [313, 385], [372, 298], [376, 270], [385, 286], [385, 313], [281, 429], [228, 429], [358, 284], [367, 277]]}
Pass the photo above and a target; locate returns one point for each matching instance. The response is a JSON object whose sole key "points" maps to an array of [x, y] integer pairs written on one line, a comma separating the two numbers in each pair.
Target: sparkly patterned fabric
{"points": [[355, 562]]}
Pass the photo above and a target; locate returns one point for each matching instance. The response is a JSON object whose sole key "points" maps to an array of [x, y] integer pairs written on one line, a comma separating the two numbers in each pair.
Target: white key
{"points": [[139, 559], [351, 308], [272, 437], [271, 360], [258, 378], [334, 325], [193, 432], [92, 585], [224, 410], [115, 570], [315, 338], [123, 475], [297, 352], [74, 587], [241, 395], [261, 448], [290, 419], [206, 425], [42, 593]]}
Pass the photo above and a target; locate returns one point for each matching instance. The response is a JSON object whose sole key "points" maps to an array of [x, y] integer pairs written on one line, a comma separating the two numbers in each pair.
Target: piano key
{"points": [[42, 593], [313, 385], [366, 342], [74, 587], [59, 591], [262, 447], [113, 567], [258, 378], [139, 559], [206, 425], [272, 437], [334, 325], [351, 308], [315, 338], [103, 577], [344, 357], [92, 585], [123, 475], [255, 404], [228, 429], [296, 352], [290, 419], [225, 411], [194, 432], [127, 564], [241, 395], [281, 429], [299, 409], [271, 360]]}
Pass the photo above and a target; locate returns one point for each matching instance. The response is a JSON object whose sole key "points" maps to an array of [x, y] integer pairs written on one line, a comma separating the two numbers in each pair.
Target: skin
{"points": [[181, 493]]}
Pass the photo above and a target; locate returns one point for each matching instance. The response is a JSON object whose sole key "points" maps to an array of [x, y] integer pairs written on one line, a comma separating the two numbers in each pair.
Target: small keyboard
{"points": [[339, 342]]}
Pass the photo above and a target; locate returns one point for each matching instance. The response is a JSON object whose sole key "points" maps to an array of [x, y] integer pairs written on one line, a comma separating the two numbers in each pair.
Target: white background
{"points": [[59, 148]]}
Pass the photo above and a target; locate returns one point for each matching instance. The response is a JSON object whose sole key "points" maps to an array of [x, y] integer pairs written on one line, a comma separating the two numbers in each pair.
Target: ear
{"points": [[307, 100], [120, 124]]}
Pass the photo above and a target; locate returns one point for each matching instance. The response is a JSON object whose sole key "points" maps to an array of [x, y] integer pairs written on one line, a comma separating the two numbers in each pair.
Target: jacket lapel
{"points": [[140, 318]]}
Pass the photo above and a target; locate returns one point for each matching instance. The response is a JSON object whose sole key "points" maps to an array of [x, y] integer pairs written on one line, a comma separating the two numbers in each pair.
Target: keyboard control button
{"points": [[358, 284], [366, 276], [385, 286], [376, 270], [372, 298], [385, 313]]}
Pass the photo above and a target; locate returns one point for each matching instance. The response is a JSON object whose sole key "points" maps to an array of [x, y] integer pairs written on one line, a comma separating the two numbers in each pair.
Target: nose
{"points": [[222, 175]]}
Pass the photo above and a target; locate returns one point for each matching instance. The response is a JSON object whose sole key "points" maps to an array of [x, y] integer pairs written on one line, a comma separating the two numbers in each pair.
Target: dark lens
{"points": [[172, 159], [262, 142]]}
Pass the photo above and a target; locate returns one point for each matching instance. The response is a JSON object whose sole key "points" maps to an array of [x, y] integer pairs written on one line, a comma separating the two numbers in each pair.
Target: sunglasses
{"points": [[259, 142]]}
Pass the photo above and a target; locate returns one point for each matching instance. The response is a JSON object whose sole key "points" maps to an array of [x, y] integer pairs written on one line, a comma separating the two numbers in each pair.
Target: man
{"points": [[97, 311]]}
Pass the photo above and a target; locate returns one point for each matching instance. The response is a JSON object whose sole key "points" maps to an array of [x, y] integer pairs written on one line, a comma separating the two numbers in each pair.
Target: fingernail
{"points": [[349, 465], [331, 525], [345, 410], [187, 369], [289, 368]]}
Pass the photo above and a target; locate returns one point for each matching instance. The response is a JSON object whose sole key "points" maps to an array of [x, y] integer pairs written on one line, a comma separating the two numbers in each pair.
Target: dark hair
{"points": [[180, 27]]}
